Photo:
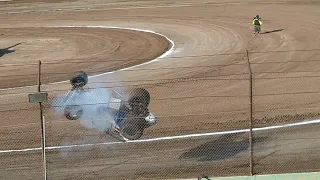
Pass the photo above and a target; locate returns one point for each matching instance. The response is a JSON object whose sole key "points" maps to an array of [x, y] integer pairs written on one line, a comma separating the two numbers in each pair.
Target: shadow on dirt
{"points": [[224, 147], [7, 50], [273, 31]]}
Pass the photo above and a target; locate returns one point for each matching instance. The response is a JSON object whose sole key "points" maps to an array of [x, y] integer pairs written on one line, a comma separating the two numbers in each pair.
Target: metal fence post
{"points": [[40, 97], [42, 125], [250, 112]]}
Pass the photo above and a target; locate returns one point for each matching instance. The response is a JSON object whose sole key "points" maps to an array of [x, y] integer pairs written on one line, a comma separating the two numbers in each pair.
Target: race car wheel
{"points": [[132, 127], [139, 100], [72, 112], [79, 79], [131, 131]]}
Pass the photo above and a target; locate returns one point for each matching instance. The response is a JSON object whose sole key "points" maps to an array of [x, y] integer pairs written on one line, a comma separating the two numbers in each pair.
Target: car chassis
{"points": [[129, 115]]}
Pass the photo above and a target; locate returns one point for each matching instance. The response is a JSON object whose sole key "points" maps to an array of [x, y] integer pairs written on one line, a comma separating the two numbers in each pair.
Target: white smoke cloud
{"points": [[94, 101]]}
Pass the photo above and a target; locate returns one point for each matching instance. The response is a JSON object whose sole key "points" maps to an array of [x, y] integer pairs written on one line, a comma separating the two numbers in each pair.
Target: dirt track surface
{"points": [[200, 87], [62, 50]]}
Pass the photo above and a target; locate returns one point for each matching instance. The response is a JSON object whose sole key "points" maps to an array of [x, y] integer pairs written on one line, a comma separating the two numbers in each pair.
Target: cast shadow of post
{"points": [[224, 147], [273, 31], [7, 50]]}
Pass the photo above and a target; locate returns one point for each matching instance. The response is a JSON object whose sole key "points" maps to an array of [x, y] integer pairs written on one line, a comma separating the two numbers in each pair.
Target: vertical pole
{"points": [[44, 146], [250, 113], [42, 124]]}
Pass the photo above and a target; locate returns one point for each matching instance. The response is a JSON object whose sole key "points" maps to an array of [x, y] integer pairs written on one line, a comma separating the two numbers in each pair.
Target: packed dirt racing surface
{"points": [[191, 55]]}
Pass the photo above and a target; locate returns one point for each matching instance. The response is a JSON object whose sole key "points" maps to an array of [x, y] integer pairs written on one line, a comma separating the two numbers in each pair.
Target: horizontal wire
{"points": [[187, 148], [282, 72], [19, 125], [285, 62], [174, 57], [291, 109], [154, 99], [57, 136], [286, 93], [188, 130], [295, 158], [280, 51], [208, 77], [128, 60], [172, 81], [173, 98], [136, 161], [184, 97], [79, 150], [20, 109], [147, 69], [125, 60], [291, 77], [166, 68], [162, 99], [19, 65], [152, 69], [144, 84], [167, 116]]}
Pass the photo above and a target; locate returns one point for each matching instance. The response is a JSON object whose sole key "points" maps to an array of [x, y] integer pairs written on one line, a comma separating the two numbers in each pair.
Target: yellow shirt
{"points": [[260, 22]]}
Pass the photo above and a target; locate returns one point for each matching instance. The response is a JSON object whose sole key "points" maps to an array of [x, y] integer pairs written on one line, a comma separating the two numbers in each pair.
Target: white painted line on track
{"points": [[169, 51], [171, 137]]}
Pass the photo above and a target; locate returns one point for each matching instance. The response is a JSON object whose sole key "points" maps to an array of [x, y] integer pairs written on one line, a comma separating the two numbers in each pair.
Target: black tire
{"points": [[73, 112], [79, 79], [139, 100], [132, 128], [131, 132]]}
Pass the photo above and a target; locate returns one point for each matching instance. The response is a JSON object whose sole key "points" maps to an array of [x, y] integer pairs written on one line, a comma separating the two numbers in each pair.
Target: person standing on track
{"points": [[257, 24]]}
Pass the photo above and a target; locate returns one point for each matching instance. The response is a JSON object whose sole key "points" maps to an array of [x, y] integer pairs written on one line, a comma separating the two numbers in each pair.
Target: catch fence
{"points": [[256, 115]]}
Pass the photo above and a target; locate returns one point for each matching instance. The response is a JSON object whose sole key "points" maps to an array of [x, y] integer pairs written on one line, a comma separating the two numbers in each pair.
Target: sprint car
{"points": [[123, 116]]}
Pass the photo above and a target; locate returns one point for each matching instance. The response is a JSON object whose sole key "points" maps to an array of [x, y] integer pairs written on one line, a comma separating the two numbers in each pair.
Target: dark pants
{"points": [[257, 28]]}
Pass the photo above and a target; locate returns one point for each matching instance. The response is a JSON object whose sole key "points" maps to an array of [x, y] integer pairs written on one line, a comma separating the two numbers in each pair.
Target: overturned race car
{"points": [[127, 114]]}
